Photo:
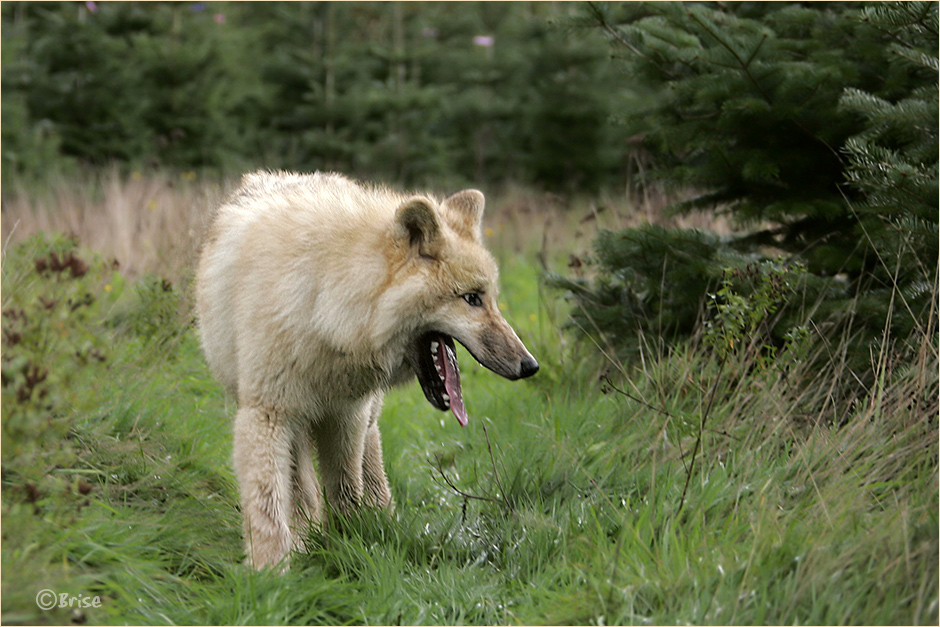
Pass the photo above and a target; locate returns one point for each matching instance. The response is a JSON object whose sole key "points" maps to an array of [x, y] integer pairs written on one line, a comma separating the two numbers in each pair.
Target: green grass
{"points": [[558, 504]]}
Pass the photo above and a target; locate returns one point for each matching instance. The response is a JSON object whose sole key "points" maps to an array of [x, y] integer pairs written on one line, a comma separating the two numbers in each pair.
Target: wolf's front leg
{"points": [[262, 455]]}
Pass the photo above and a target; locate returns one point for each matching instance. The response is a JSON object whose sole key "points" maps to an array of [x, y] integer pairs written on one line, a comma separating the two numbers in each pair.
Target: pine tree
{"points": [[814, 128], [893, 164]]}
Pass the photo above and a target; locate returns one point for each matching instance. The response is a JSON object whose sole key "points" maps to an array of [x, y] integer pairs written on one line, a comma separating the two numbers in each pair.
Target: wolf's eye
{"points": [[473, 299]]}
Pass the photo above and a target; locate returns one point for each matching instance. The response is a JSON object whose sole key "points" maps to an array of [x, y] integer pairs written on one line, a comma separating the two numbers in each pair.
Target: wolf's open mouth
{"points": [[439, 374]]}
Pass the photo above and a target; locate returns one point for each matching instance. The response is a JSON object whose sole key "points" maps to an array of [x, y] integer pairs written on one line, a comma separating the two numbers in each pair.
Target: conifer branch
{"points": [[744, 65], [609, 28]]}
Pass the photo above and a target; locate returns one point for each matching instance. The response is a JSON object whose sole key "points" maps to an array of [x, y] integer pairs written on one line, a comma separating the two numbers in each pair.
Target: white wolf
{"points": [[315, 294]]}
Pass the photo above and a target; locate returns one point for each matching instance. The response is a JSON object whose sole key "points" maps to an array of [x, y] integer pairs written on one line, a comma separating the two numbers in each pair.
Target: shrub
{"points": [[54, 296]]}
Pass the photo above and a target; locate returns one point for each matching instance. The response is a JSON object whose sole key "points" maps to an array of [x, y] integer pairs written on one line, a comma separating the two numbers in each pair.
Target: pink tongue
{"points": [[452, 383]]}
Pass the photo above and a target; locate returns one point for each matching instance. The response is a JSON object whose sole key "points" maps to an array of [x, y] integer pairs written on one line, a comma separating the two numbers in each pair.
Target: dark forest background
{"points": [[413, 92]]}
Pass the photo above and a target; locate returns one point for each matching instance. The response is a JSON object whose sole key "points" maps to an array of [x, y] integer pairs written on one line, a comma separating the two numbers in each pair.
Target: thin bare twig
{"points": [[466, 495], [698, 440], [499, 485], [606, 379]]}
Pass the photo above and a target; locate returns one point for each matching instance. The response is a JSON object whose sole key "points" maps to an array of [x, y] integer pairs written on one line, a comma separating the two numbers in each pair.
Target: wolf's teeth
{"points": [[434, 345]]}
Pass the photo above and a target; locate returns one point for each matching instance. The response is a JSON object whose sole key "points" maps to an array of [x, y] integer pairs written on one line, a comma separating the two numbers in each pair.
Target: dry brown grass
{"points": [[154, 223], [149, 224]]}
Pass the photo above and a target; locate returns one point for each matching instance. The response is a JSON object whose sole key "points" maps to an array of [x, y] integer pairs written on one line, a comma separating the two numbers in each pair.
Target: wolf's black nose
{"points": [[528, 368]]}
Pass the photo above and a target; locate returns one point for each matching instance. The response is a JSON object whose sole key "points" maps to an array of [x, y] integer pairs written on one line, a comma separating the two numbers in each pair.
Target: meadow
{"points": [[688, 488]]}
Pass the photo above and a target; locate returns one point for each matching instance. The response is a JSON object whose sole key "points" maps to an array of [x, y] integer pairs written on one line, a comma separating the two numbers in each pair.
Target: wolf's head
{"points": [[451, 281]]}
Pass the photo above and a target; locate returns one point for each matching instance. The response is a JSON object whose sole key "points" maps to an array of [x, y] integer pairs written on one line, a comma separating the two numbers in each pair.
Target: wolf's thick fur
{"points": [[316, 294]]}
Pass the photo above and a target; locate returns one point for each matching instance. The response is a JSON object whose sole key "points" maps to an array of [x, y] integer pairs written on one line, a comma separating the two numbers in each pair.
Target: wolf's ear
{"points": [[418, 223], [465, 211]]}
